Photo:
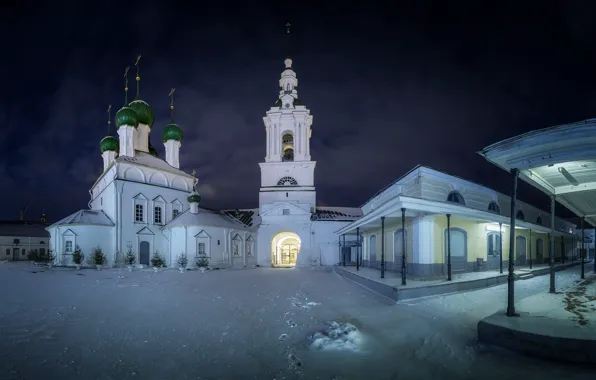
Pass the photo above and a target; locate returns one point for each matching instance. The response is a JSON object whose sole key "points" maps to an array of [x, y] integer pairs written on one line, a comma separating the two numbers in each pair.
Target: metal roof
{"points": [[559, 160]]}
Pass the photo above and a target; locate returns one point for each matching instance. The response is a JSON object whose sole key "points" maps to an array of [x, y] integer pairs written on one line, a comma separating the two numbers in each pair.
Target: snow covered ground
{"points": [[247, 324]]}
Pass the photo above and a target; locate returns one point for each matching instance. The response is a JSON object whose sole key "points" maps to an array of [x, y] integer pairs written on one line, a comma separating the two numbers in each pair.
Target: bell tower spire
{"points": [[288, 172]]}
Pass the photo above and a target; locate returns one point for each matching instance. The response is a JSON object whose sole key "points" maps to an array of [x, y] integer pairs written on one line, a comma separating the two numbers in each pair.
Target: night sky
{"points": [[390, 87]]}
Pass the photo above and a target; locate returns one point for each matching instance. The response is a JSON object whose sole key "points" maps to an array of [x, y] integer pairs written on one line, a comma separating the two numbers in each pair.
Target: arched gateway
{"points": [[285, 247]]}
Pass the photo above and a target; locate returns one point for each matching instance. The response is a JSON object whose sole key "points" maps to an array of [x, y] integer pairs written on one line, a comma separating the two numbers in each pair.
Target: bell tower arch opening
{"points": [[285, 247], [287, 142]]}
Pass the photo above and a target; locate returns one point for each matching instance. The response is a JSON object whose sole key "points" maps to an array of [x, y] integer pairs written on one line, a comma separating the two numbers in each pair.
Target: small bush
{"points": [[130, 257], [98, 257], [202, 261], [157, 261], [32, 255], [182, 260], [78, 256]]}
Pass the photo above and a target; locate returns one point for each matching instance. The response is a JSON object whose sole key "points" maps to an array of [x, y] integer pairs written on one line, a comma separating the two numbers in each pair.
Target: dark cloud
{"points": [[389, 87]]}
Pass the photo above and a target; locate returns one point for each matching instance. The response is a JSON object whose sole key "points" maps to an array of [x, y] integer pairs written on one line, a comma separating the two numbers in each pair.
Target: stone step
{"points": [[525, 276]]}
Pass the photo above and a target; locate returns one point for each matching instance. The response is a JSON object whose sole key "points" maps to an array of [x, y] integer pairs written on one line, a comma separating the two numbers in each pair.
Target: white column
{"points": [[126, 133], [173, 153], [142, 138], [108, 157]]}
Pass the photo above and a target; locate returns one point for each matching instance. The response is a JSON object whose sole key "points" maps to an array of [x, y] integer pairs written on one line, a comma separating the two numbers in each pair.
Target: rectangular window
{"points": [[8, 251], [175, 213], [138, 213], [248, 249], [23, 252], [157, 215], [68, 246], [286, 211], [236, 253], [201, 249]]}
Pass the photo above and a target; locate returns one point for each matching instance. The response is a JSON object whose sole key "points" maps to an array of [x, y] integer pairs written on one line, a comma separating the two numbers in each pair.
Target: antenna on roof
{"points": [[126, 85], [172, 105], [109, 118], [138, 78]]}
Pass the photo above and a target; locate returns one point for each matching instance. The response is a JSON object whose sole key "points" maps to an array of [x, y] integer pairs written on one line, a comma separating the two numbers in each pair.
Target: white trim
{"points": [[588, 186]]}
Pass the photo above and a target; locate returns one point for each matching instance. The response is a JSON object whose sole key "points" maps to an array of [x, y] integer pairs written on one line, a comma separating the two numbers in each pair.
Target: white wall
{"points": [[26, 243], [86, 237]]}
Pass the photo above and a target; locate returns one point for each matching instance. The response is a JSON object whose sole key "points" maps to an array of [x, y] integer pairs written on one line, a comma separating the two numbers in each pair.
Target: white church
{"points": [[144, 204]]}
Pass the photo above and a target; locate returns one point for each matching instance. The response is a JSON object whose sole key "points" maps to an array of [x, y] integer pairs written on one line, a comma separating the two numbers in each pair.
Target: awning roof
{"points": [[415, 206], [559, 160]]}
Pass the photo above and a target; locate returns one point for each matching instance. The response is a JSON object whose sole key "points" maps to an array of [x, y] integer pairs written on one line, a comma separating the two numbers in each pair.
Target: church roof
{"points": [[146, 159], [248, 217], [205, 217], [85, 217], [336, 213]]}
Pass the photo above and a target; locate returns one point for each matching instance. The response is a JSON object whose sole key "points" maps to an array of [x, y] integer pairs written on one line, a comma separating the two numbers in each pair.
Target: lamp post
{"points": [[448, 247], [359, 247], [552, 244], [382, 247], [501, 247], [510, 277], [403, 246], [530, 249], [583, 245]]}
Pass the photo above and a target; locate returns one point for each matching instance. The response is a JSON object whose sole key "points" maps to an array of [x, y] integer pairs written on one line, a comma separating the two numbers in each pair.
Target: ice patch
{"points": [[337, 336]]}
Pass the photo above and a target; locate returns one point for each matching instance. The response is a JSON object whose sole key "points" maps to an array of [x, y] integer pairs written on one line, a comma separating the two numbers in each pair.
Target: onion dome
{"points": [[126, 116], [109, 143], [278, 103], [297, 102], [172, 132], [143, 111], [194, 197]]}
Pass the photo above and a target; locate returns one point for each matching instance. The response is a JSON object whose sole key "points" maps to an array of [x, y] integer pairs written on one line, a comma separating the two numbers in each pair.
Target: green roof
{"points": [[126, 116], [109, 143], [172, 132], [143, 111], [194, 197]]}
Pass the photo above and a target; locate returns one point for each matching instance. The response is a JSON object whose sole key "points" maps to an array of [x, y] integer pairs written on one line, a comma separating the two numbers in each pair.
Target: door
{"points": [[398, 249], [144, 253], [347, 255], [520, 250], [289, 254], [15, 253], [493, 250], [372, 251], [539, 251], [459, 250]]}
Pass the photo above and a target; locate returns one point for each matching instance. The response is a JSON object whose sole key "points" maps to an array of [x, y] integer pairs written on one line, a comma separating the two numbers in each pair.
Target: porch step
{"points": [[525, 276]]}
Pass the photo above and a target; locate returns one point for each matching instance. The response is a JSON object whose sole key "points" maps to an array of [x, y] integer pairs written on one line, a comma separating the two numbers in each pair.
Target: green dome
{"points": [[109, 143], [278, 103], [172, 132], [194, 197], [126, 116], [297, 102], [144, 112]]}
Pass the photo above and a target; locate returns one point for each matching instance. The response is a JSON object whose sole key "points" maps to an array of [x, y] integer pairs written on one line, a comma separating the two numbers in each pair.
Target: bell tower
{"points": [[287, 175]]}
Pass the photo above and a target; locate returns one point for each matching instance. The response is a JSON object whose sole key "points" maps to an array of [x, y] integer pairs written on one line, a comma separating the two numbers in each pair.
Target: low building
{"points": [[417, 211], [18, 238]]}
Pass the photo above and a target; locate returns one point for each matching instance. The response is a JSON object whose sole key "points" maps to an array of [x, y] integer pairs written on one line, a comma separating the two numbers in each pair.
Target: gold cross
{"points": [[193, 172]]}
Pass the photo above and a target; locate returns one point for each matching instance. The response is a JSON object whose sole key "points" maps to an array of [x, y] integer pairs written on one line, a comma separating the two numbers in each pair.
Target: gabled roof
{"points": [[85, 217], [146, 159], [205, 217], [248, 217], [24, 229], [336, 213]]}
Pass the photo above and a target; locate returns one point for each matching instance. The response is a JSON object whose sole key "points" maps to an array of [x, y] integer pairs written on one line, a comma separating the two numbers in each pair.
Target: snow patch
{"points": [[337, 336], [303, 304]]}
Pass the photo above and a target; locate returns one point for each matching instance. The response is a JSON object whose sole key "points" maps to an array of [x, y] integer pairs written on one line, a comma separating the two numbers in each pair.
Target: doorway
{"points": [[372, 251], [144, 253], [520, 250], [493, 250], [459, 250], [285, 248]]}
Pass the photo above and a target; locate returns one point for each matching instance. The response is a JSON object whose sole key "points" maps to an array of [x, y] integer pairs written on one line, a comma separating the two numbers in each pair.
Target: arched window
{"points": [[287, 144], [287, 181], [520, 215], [494, 207], [539, 220], [456, 197]]}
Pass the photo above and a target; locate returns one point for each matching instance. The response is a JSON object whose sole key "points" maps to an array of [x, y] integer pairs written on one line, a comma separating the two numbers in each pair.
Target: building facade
{"points": [[422, 206], [19, 238]]}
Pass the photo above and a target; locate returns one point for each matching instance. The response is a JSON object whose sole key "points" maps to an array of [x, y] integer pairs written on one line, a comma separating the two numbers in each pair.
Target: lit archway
{"points": [[285, 247]]}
